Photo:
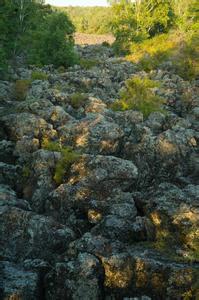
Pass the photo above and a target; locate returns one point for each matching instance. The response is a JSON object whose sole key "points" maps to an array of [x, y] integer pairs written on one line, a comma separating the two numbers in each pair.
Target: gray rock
{"points": [[78, 279], [17, 283], [27, 235]]}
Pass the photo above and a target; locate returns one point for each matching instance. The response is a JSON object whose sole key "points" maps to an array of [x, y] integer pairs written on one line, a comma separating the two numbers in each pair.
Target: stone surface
{"points": [[122, 223]]}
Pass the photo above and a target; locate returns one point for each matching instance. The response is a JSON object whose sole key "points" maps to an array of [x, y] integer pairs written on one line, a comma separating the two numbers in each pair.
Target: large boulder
{"points": [[78, 279], [18, 283], [27, 124], [27, 235], [94, 134]]}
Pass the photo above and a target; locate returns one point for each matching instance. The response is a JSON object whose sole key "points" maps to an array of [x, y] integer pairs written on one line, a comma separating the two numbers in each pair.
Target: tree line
{"points": [[136, 21], [94, 20]]}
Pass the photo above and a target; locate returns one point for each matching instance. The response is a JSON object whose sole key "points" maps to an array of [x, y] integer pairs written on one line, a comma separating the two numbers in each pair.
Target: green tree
{"points": [[135, 21], [52, 41]]}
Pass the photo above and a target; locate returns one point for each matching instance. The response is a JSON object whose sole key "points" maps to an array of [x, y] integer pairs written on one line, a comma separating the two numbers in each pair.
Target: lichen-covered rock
{"points": [[40, 178], [145, 271], [43, 108], [94, 134], [21, 124], [8, 174], [175, 215], [91, 189], [122, 222], [27, 235], [77, 279], [17, 283], [117, 228], [9, 197], [7, 151]]}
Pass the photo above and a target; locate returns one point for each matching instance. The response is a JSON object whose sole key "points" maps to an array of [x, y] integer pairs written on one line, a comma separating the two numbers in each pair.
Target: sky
{"points": [[77, 2]]}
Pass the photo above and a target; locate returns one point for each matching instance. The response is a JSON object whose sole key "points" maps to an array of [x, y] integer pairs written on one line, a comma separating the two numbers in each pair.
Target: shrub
{"points": [[186, 61], [21, 88], [68, 157], [139, 94], [61, 69], [39, 76], [52, 42], [105, 44], [77, 100], [88, 63], [151, 53]]}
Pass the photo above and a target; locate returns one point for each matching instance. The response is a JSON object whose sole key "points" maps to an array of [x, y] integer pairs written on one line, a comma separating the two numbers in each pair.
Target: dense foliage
{"points": [[94, 20], [35, 30], [155, 31], [137, 21]]}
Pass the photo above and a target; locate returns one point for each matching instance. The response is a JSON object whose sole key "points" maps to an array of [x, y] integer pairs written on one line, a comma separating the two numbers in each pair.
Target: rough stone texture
{"points": [[123, 222], [77, 279], [17, 283], [27, 235]]}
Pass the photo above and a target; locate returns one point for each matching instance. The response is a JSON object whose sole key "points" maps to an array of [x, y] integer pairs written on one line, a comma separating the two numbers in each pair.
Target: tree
{"points": [[31, 28], [135, 21], [52, 42]]}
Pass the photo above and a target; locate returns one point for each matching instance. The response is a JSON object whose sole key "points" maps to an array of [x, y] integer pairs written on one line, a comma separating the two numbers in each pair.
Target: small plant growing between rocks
{"points": [[88, 63], [61, 69], [77, 100], [39, 76], [21, 88], [68, 157], [139, 94]]}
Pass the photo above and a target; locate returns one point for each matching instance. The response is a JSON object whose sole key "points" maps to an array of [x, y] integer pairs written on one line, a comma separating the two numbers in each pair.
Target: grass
{"points": [[139, 94], [21, 88], [77, 100], [68, 157], [180, 49], [88, 63], [36, 75]]}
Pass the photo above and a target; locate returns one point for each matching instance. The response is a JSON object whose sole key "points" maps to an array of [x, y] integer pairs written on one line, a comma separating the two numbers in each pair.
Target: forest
{"points": [[93, 20]]}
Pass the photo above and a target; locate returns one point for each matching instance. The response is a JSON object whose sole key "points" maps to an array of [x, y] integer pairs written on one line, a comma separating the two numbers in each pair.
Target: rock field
{"points": [[123, 223]]}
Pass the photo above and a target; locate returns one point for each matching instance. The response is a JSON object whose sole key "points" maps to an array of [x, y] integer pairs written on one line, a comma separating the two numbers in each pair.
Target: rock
{"points": [[5, 91], [26, 124], [78, 279], [9, 197], [94, 134], [145, 271], [40, 180], [91, 186], [43, 108], [7, 151], [175, 214], [38, 89], [8, 174], [27, 235], [17, 283], [116, 228]]}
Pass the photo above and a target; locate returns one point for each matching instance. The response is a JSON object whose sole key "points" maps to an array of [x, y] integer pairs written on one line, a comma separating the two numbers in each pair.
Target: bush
{"points": [[186, 61], [21, 88], [151, 53], [139, 94], [52, 42], [105, 44], [39, 76], [61, 69], [68, 157], [77, 100], [88, 63]]}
